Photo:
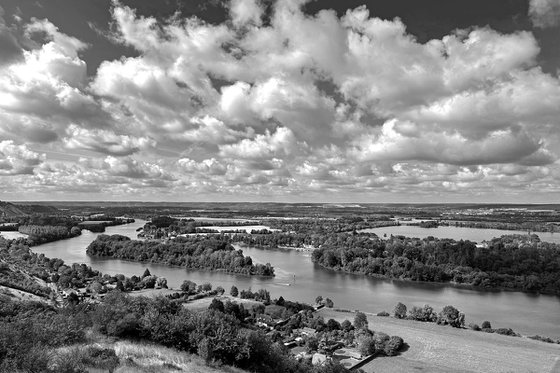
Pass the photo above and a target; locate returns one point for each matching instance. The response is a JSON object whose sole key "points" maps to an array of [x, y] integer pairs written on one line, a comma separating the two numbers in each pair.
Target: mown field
{"points": [[438, 349]]}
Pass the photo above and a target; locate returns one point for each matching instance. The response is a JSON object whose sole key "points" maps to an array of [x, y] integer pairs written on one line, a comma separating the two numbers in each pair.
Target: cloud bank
{"points": [[289, 107]]}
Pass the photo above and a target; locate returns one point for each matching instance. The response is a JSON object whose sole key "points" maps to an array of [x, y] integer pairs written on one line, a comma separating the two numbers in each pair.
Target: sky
{"points": [[280, 100]]}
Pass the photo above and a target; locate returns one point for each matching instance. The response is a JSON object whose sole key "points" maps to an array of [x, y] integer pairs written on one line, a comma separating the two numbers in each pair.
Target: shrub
{"points": [[393, 345], [400, 311], [474, 327], [543, 339], [506, 331], [346, 325], [217, 305], [451, 316], [383, 314], [486, 325]]}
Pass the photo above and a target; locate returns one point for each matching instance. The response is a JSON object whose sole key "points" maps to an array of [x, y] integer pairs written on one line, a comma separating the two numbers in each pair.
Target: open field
{"points": [[152, 293], [202, 304], [438, 349]]}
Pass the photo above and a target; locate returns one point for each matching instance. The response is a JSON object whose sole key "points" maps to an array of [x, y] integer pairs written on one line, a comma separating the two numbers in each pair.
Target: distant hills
{"points": [[8, 209]]}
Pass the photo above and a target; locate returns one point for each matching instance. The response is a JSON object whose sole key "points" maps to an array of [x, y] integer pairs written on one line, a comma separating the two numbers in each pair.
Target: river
{"points": [[456, 233], [525, 313]]}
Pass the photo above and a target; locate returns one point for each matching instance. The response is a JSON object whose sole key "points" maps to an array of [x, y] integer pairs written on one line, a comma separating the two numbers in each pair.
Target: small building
{"points": [[290, 344], [309, 332], [319, 359], [265, 321]]}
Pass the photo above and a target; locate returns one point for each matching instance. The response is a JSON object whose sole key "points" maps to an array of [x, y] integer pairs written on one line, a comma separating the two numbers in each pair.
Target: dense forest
{"points": [[511, 262], [193, 252], [39, 234]]}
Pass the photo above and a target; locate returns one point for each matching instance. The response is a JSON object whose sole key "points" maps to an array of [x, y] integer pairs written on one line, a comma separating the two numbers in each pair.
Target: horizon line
{"points": [[292, 203]]}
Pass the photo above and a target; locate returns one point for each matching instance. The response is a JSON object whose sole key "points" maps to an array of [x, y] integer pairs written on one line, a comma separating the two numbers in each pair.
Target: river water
{"points": [[298, 278], [456, 233]]}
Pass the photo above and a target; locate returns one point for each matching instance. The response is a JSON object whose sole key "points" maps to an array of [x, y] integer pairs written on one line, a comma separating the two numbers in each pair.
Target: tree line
{"points": [[39, 234], [193, 252], [514, 262]]}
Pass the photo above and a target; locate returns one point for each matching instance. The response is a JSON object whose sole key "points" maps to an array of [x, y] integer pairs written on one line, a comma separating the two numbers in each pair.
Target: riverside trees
{"points": [[194, 252], [513, 262]]}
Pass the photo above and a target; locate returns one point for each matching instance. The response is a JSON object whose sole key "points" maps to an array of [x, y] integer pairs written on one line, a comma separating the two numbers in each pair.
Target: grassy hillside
{"points": [[8, 209], [133, 357], [441, 349]]}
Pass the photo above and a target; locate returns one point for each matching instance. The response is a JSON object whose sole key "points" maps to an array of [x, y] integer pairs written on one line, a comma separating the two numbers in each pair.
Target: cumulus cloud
{"points": [[18, 159], [45, 90], [544, 13], [126, 169], [246, 11], [396, 143], [205, 167], [280, 143], [104, 141], [297, 103]]}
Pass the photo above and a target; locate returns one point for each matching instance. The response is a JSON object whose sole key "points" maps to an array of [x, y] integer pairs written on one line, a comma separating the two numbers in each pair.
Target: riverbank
{"points": [[437, 349], [454, 284]]}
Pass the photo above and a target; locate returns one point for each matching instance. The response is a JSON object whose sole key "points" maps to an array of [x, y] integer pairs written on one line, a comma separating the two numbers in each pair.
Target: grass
{"points": [[437, 349], [203, 303], [132, 357]]}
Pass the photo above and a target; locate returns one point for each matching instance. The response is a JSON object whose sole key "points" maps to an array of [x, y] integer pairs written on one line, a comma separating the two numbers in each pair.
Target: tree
{"points": [[217, 305], [400, 311], [206, 286], [346, 325], [393, 345], [220, 290], [486, 325], [148, 282], [205, 349], [234, 291], [451, 316], [312, 344], [120, 286], [415, 313], [428, 313], [332, 324], [146, 273], [161, 282], [188, 286], [319, 300], [329, 303], [360, 321], [366, 345], [73, 299]]}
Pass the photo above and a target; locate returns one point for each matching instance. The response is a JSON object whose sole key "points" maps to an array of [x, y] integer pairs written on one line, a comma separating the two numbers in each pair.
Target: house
{"points": [[307, 331], [265, 321], [66, 293], [319, 359], [290, 344]]}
